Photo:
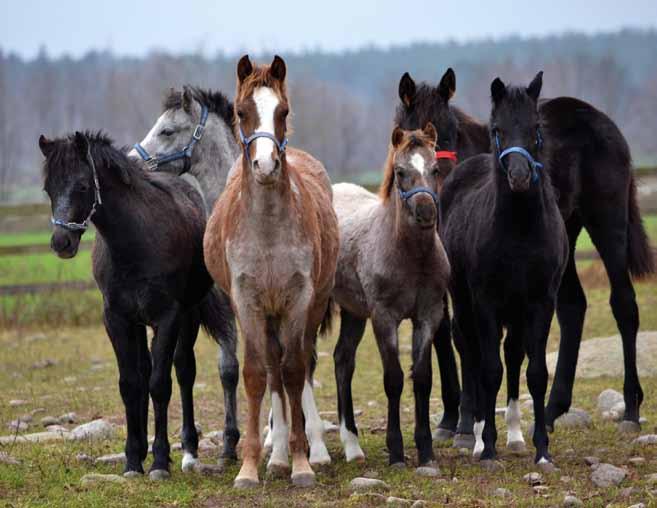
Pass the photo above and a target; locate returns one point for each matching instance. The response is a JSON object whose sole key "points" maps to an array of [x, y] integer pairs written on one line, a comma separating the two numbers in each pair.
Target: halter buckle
{"points": [[198, 132]]}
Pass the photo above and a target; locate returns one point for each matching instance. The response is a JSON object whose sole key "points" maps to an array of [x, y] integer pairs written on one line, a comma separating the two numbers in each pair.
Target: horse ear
{"points": [[81, 144], [278, 69], [397, 136], [497, 90], [447, 85], [244, 68], [534, 88], [187, 99], [430, 132], [45, 145], [407, 89]]}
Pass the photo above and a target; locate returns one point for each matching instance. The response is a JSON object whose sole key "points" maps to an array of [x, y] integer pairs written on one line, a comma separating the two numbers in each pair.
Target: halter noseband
{"points": [[246, 141], [446, 154], [522, 151], [186, 153], [406, 195], [84, 225]]}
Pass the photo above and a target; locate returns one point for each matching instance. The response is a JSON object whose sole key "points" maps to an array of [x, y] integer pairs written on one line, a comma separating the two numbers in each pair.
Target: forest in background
{"points": [[343, 103]]}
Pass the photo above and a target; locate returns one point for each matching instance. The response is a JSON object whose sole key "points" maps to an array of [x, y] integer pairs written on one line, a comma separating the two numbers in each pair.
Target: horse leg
{"points": [[385, 331], [133, 390], [145, 369], [513, 357], [162, 351], [185, 364], [464, 437], [535, 335], [609, 234], [571, 308], [344, 358], [449, 380], [422, 379], [229, 370]]}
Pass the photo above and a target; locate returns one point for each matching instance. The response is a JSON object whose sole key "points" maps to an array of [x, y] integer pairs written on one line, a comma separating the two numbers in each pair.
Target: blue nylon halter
{"points": [[520, 150], [406, 195], [186, 153], [246, 141], [84, 225]]}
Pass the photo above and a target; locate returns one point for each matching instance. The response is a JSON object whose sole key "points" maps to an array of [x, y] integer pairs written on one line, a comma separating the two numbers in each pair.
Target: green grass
{"points": [[46, 267], [84, 380], [33, 238]]}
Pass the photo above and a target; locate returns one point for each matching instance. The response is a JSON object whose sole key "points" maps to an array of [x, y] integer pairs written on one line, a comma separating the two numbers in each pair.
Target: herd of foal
{"points": [[488, 214]]}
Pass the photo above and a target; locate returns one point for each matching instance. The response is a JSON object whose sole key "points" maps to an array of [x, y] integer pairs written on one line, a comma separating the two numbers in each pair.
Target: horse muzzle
{"points": [[65, 243]]}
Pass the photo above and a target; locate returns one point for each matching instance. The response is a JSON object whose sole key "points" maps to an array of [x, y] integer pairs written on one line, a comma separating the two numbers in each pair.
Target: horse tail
{"points": [[326, 325], [641, 259], [217, 317]]}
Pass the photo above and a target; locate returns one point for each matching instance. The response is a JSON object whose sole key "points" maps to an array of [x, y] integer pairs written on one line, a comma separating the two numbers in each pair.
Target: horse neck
{"points": [[216, 155]]}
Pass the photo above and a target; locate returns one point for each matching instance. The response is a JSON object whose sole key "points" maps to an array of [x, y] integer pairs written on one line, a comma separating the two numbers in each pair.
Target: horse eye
{"points": [[399, 171], [166, 132], [240, 114]]}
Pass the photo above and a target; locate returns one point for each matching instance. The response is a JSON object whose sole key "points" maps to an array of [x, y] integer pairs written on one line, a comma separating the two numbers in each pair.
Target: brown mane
{"points": [[410, 140]]}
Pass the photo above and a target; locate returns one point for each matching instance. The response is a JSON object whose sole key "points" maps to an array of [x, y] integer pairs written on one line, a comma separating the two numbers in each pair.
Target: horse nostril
{"points": [[277, 164], [60, 242], [256, 165]]}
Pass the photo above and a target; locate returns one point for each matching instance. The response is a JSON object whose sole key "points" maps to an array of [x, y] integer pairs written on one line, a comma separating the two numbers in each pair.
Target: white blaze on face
{"points": [[418, 163], [266, 102]]}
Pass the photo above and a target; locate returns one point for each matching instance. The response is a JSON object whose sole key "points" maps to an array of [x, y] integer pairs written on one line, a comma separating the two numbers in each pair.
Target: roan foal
{"points": [[391, 267], [272, 245], [148, 264], [508, 248]]}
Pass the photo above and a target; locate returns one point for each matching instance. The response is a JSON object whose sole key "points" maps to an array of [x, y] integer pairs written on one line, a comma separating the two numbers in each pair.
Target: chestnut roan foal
{"points": [[272, 245]]}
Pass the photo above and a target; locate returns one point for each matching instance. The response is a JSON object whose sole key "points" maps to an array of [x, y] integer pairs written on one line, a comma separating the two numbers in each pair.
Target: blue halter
{"points": [[520, 150], [186, 153], [406, 195], [84, 225], [247, 141]]}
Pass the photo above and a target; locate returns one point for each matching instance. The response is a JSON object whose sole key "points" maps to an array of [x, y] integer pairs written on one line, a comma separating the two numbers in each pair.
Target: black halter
{"points": [[84, 225], [247, 141], [186, 153]]}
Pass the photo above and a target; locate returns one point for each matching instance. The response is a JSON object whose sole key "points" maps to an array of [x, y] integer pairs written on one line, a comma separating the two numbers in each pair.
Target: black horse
{"points": [[590, 168], [508, 247], [148, 264]]}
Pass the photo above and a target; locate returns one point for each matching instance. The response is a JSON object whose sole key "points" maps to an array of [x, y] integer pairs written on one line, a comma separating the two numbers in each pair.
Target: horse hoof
{"points": [[491, 465], [629, 427], [188, 463], [278, 470], [516, 447], [320, 458], [398, 465], [463, 441], [132, 474], [226, 461], [443, 435], [245, 483], [303, 480], [546, 466], [157, 475]]}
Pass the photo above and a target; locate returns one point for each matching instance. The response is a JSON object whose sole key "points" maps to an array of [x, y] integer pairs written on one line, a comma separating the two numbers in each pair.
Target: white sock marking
{"points": [[352, 449], [268, 443], [512, 418], [279, 434], [314, 427], [479, 442], [188, 462]]}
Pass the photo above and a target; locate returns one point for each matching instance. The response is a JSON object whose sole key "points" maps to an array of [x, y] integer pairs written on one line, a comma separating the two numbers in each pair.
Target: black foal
{"points": [[148, 264], [508, 246]]}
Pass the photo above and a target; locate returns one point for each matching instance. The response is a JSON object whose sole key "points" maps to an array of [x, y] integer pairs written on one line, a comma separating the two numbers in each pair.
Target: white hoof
{"points": [[319, 455], [188, 462]]}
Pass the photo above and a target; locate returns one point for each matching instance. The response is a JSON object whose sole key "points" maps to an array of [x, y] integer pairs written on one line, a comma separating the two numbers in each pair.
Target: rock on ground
{"points": [[575, 418], [652, 479], [428, 471], [47, 421], [114, 458], [7, 459], [96, 429], [599, 357], [648, 439], [607, 475], [95, 478], [572, 502], [398, 501], [533, 478], [609, 399], [364, 484], [502, 492]]}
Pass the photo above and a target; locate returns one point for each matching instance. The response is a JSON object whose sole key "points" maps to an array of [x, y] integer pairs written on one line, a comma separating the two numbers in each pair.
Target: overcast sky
{"points": [[134, 27]]}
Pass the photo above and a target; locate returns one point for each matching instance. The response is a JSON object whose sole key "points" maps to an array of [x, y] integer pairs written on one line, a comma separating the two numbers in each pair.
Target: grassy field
{"points": [[84, 379]]}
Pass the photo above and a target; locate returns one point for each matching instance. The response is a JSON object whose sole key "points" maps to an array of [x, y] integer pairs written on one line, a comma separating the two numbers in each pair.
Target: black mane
{"points": [[215, 101]]}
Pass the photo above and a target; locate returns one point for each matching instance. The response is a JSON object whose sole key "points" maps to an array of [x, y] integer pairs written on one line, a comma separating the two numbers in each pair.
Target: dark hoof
{"points": [[245, 483], [491, 465], [517, 447], [629, 427], [303, 480], [159, 475], [443, 435], [463, 441], [398, 465], [278, 471], [132, 474], [546, 467]]}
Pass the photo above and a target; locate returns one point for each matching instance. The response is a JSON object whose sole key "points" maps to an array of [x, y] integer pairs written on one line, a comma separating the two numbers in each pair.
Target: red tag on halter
{"points": [[445, 154]]}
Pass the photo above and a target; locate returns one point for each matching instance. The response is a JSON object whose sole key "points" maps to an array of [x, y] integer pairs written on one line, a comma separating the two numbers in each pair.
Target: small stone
{"points": [[83, 458], [68, 418], [419, 504], [540, 489], [114, 458], [591, 460], [572, 502], [629, 491], [607, 475], [651, 479], [574, 418], [398, 501], [368, 484], [43, 364], [208, 469], [95, 478], [56, 428], [533, 478], [636, 461], [372, 403], [95, 430], [428, 471], [18, 426], [608, 399], [502, 492], [47, 421], [638, 505], [8, 460], [648, 439], [207, 444], [330, 427], [17, 402], [566, 479]]}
